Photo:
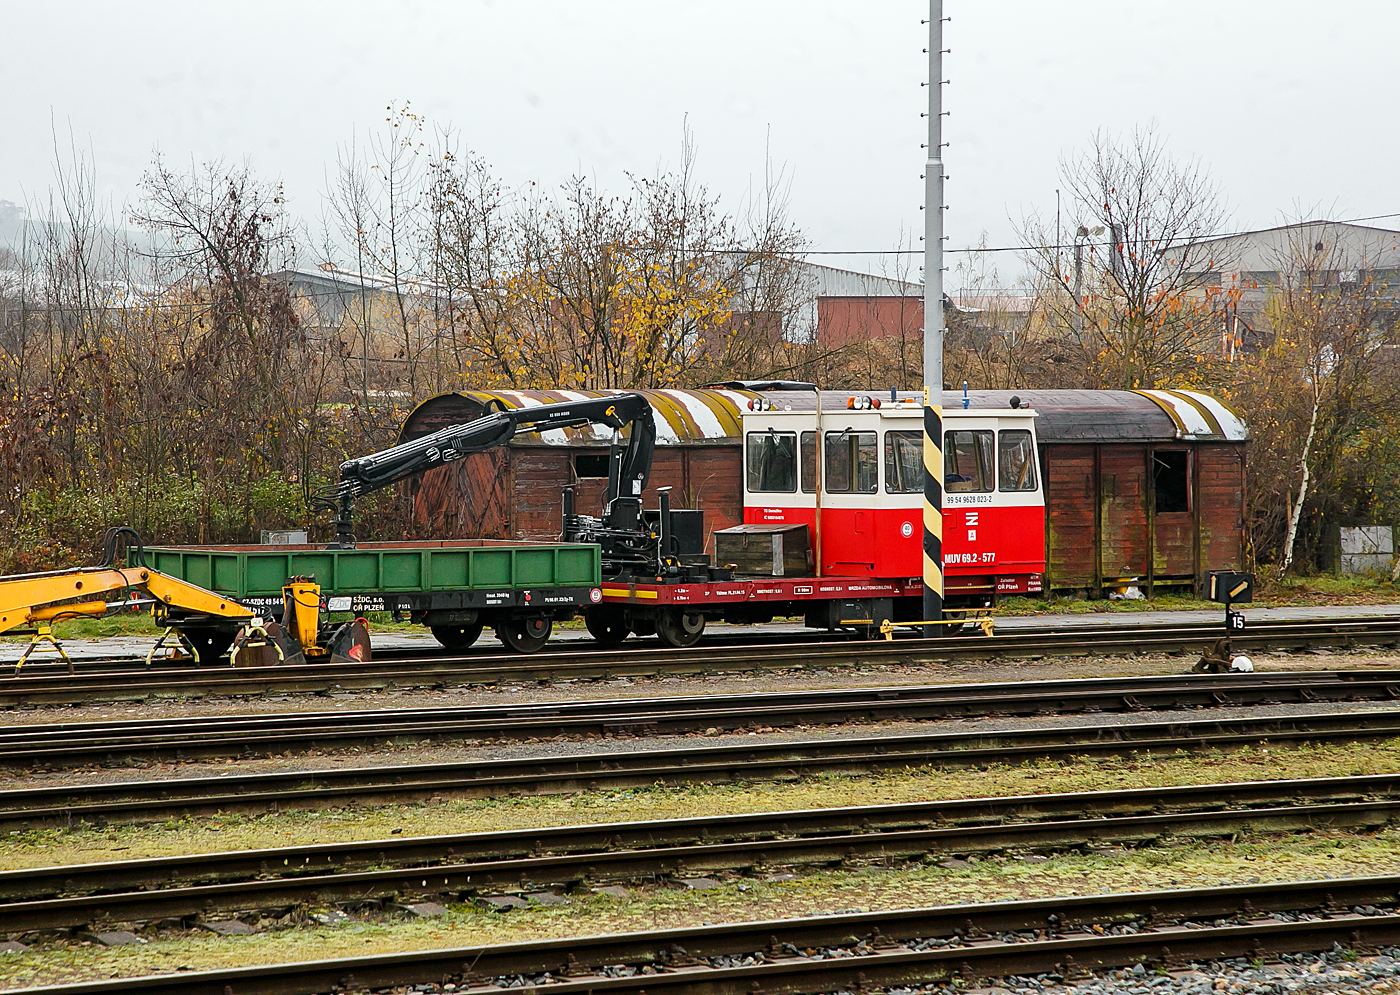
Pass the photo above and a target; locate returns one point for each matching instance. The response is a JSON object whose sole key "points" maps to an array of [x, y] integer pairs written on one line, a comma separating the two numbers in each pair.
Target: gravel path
{"points": [[1300, 974]]}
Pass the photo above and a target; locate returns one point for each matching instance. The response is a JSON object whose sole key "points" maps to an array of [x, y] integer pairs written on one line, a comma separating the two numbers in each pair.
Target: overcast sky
{"points": [[1290, 104]]}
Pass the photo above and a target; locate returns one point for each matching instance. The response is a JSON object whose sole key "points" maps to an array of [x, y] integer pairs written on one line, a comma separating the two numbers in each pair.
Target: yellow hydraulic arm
{"points": [[26, 599]]}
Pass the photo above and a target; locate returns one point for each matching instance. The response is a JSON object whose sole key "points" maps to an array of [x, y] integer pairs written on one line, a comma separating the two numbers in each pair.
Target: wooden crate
{"points": [[765, 550]]}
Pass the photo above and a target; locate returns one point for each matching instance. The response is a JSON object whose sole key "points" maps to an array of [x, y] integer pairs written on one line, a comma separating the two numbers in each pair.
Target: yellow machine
{"points": [[300, 636], [40, 599], [199, 624]]}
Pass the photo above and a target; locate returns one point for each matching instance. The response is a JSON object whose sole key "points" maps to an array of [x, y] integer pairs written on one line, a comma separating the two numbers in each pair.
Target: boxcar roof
{"points": [[1120, 415], [712, 415]]}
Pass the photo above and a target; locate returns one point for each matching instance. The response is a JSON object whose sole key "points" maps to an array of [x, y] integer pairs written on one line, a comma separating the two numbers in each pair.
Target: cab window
{"points": [[967, 461], [808, 447], [771, 460], [851, 466], [904, 462], [1016, 461]]}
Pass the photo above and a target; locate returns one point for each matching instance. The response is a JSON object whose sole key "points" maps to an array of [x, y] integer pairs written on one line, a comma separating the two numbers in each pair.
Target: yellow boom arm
{"points": [[29, 598]]}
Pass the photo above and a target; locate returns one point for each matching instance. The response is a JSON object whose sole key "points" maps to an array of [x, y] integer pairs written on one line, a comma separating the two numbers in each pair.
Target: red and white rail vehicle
{"points": [[862, 506]]}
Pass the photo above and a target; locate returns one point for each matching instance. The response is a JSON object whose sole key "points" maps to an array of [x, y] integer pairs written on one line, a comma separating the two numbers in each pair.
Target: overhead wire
{"points": [[1070, 245]]}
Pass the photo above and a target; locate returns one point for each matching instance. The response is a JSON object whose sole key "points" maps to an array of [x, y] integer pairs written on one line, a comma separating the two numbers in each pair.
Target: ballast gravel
{"points": [[420, 753], [1293, 974]]}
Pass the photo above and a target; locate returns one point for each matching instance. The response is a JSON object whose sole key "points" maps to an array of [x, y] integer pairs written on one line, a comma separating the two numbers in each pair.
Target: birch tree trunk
{"points": [[1297, 514]]}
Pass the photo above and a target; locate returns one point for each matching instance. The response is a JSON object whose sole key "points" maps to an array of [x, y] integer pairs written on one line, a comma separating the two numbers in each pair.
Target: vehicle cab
{"points": [[863, 502]]}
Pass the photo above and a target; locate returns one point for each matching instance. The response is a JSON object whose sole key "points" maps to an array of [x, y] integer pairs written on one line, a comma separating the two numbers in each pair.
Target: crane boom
{"points": [[628, 466], [27, 599], [31, 597]]}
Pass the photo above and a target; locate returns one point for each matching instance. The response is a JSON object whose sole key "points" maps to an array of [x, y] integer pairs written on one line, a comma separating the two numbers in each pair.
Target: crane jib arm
{"points": [[628, 467], [27, 598]]}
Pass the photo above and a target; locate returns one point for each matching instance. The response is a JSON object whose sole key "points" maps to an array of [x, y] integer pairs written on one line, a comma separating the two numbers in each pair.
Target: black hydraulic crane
{"points": [[634, 544], [629, 465]]}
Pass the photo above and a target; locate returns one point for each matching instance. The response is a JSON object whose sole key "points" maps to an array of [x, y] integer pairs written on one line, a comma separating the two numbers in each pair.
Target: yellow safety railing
{"points": [[43, 636], [986, 623], [179, 648]]}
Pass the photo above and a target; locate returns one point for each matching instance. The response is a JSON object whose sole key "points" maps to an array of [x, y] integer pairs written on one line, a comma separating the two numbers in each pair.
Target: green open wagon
{"points": [[455, 587]]}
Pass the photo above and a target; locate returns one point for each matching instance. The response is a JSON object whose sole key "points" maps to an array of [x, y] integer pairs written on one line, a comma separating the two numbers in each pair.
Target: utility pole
{"points": [[933, 324], [1079, 236]]}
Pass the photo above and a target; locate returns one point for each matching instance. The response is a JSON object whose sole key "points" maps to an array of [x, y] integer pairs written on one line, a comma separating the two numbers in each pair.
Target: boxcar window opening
{"points": [[590, 465], [772, 461], [904, 462], [808, 449], [851, 462], [967, 461], [1016, 460], [1171, 480]]}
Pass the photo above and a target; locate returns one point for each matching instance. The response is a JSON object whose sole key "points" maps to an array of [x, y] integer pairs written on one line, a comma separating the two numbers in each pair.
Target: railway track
{"points": [[382, 873], [192, 737], [1066, 936], [36, 686], [766, 759]]}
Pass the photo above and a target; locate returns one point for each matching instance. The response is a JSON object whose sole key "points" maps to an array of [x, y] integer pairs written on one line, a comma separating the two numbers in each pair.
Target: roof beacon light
{"points": [[966, 401], [863, 403]]}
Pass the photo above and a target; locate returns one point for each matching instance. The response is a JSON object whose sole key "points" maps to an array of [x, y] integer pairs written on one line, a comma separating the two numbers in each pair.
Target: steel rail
{"points": [[190, 737], [430, 851], [857, 952], [761, 759], [29, 689], [529, 859]]}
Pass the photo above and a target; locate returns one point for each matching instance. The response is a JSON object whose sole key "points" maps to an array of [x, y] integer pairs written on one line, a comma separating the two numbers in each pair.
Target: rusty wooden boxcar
{"points": [[1142, 488]]}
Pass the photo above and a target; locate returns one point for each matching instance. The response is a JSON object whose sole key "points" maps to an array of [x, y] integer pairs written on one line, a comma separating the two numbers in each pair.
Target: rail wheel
{"points": [[679, 628], [210, 644], [457, 637], [524, 635], [607, 624]]}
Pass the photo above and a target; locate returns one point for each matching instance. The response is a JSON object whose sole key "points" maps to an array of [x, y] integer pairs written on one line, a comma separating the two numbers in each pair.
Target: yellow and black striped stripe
{"points": [[933, 509]]}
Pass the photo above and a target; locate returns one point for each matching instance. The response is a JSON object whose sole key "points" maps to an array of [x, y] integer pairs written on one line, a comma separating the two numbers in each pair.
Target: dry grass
{"points": [[234, 832], [869, 888]]}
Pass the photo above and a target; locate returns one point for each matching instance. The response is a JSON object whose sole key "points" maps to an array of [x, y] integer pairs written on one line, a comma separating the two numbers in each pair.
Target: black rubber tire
{"points": [[210, 643], [679, 628], [607, 624], [524, 635], [457, 637]]}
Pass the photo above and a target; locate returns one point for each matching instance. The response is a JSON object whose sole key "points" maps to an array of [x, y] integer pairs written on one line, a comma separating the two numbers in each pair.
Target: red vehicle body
{"points": [[863, 508]]}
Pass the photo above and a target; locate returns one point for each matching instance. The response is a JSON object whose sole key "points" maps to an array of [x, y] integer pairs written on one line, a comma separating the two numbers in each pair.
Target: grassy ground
{"points": [[1184, 863], [874, 887], [1272, 592], [233, 832], [125, 623]]}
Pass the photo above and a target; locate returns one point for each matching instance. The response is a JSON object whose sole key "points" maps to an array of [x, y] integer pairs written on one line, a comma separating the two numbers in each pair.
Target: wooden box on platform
{"points": [[765, 550]]}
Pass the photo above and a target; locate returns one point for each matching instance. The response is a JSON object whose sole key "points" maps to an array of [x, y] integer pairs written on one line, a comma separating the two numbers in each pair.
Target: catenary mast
{"points": [[933, 324]]}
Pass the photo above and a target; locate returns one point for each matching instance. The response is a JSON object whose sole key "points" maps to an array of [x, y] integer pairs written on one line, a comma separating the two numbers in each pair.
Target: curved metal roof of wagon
{"points": [[713, 415], [1071, 415], [683, 417], [1119, 415]]}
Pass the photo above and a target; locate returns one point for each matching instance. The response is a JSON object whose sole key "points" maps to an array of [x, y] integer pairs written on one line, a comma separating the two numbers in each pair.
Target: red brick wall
{"points": [[841, 320]]}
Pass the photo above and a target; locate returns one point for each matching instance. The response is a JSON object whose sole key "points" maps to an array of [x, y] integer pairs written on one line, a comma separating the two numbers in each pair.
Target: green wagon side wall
{"points": [[244, 572]]}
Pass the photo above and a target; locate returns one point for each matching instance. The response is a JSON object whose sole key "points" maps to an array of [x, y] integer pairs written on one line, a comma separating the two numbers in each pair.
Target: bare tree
{"points": [[1138, 316], [771, 331], [1329, 332]]}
